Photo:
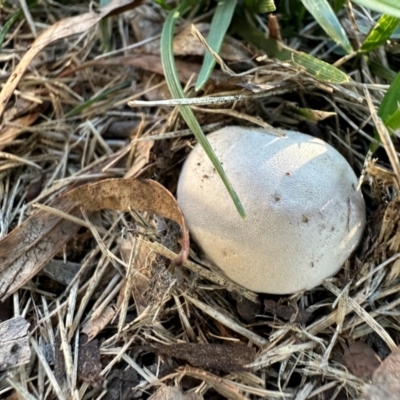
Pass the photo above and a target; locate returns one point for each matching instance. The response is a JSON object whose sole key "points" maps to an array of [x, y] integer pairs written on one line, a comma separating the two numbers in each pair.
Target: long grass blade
{"points": [[15, 17], [171, 76], [317, 68], [219, 25], [382, 71], [78, 109], [325, 16], [389, 110], [380, 33], [260, 6], [390, 7]]}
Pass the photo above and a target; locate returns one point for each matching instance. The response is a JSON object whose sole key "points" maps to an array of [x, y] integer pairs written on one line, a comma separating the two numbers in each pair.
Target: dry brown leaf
{"points": [[31, 245], [20, 108], [9, 133], [222, 386], [95, 325], [228, 358], [60, 30], [28, 248], [174, 393], [127, 194], [120, 384], [168, 393], [386, 379], [14, 343], [361, 360]]}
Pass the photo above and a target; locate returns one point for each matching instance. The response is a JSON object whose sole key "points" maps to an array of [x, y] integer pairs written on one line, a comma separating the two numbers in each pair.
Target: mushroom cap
{"points": [[304, 215]]}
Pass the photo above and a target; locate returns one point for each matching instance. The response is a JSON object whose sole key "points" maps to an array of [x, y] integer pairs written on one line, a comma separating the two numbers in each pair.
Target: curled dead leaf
{"points": [[386, 379], [361, 360], [141, 195]]}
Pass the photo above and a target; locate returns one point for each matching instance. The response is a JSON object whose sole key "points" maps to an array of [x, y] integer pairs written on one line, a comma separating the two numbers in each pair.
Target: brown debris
{"points": [[59, 362], [171, 393], [14, 343], [386, 379], [361, 360], [222, 386], [9, 132], [287, 313], [96, 324], [89, 365], [228, 358], [274, 27], [247, 309], [27, 249], [122, 383]]}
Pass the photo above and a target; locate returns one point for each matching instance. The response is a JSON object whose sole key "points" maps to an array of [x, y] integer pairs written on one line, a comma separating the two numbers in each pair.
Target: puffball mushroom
{"points": [[304, 215]]}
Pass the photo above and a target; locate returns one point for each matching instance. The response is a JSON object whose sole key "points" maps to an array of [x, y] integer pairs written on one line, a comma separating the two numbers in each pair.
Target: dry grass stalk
{"points": [[121, 287]]}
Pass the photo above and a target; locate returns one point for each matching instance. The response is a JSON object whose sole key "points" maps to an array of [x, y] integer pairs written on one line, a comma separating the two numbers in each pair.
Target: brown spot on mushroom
{"points": [[287, 173], [304, 218]]}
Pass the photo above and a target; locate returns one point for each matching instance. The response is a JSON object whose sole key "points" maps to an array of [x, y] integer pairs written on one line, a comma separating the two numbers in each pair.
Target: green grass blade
{"points": [[337, 5], [219, 25], [78, 109], [390, 103], [15, 17], [171, 76], [325, 16], [382, 72], [260, 6], [105, 30], [380, 33], [389, 110], [390, 7], [318, 68]]}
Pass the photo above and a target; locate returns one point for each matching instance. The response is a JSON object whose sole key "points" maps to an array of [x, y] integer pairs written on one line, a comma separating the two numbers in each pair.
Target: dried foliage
{"points": [[111, 315]]}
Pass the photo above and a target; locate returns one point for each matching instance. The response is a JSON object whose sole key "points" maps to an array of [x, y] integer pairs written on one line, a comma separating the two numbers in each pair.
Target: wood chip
{"points": [[14, 343], [209, 355], [89, 365]]}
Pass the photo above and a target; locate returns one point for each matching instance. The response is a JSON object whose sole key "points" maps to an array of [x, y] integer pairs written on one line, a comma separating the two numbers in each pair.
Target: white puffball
{"points": [[304, 215]]}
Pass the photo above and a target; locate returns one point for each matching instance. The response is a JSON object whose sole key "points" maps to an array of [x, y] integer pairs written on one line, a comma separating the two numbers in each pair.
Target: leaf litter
{"points": [[91, 195]]}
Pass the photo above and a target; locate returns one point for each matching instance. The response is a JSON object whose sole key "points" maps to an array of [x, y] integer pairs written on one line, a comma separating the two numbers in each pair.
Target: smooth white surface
{"points": [[304, 215]]}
